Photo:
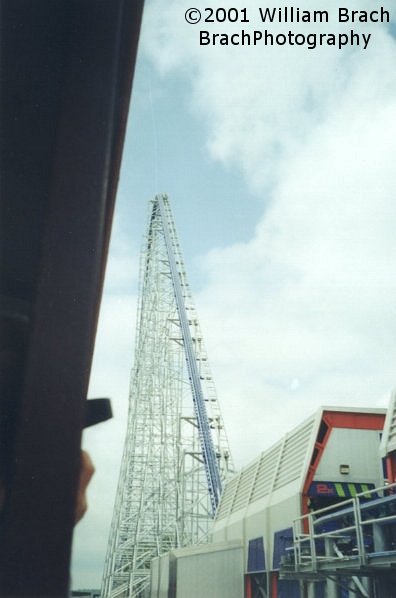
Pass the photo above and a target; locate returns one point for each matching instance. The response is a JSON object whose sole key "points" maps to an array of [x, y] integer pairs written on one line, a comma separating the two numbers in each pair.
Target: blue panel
{"points": [[288, 589], [256, 555], [340, 489], [282, 540]]}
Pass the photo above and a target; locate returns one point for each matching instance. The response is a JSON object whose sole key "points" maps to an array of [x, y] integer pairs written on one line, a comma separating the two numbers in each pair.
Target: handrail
{"points": [[308, 546]]}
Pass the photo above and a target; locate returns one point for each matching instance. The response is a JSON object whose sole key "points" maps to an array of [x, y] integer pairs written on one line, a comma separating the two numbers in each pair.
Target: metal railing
{"points": [[344, 531]]}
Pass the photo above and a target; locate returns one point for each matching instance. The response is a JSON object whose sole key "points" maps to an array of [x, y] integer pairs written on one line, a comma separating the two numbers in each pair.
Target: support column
{"points": [[248, 587], [274, 584], [331, 586]]}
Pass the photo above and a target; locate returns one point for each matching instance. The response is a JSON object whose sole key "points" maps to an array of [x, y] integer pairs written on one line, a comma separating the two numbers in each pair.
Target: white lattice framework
{"points": [[162, 499]]}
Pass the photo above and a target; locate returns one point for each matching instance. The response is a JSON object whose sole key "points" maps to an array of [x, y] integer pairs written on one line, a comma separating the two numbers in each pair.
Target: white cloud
{"points": [[311, 296], [259, 104]]}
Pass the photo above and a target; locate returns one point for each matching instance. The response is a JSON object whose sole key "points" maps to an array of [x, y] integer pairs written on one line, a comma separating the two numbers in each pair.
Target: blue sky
{"points": [[279, 164], [165, 151]]}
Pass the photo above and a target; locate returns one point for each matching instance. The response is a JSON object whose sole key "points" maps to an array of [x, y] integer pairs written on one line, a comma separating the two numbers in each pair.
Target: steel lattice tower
{"points": [[176, 453]]}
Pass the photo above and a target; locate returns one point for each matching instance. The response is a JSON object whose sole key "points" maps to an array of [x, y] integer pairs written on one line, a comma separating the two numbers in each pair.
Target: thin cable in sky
{"points": [[155, 138]]}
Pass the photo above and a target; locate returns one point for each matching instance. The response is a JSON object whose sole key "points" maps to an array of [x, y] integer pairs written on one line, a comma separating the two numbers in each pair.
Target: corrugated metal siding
{"points": [[293, 455], [265, 475], [227, 498], [246, 479], [275, 468]]}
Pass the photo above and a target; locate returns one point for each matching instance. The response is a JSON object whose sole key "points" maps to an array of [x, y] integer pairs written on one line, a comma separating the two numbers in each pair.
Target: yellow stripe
{"points": [[365, 489], [340, 489], [352, 489]]}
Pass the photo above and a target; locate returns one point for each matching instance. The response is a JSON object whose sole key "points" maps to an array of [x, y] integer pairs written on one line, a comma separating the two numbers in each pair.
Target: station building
{"points": [[314, 516]]}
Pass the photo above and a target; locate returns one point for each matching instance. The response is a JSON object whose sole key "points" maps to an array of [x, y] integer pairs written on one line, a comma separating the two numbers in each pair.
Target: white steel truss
{"points": [[167, 491]]}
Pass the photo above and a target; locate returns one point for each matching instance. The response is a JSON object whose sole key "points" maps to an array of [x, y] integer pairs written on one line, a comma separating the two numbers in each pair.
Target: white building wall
{"points": [[159, 584], [212, 571], [357, 448], [154, 573]]}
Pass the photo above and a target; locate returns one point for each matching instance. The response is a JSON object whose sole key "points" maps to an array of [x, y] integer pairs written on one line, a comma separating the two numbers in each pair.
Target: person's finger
{"points": [[87, 470]]}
